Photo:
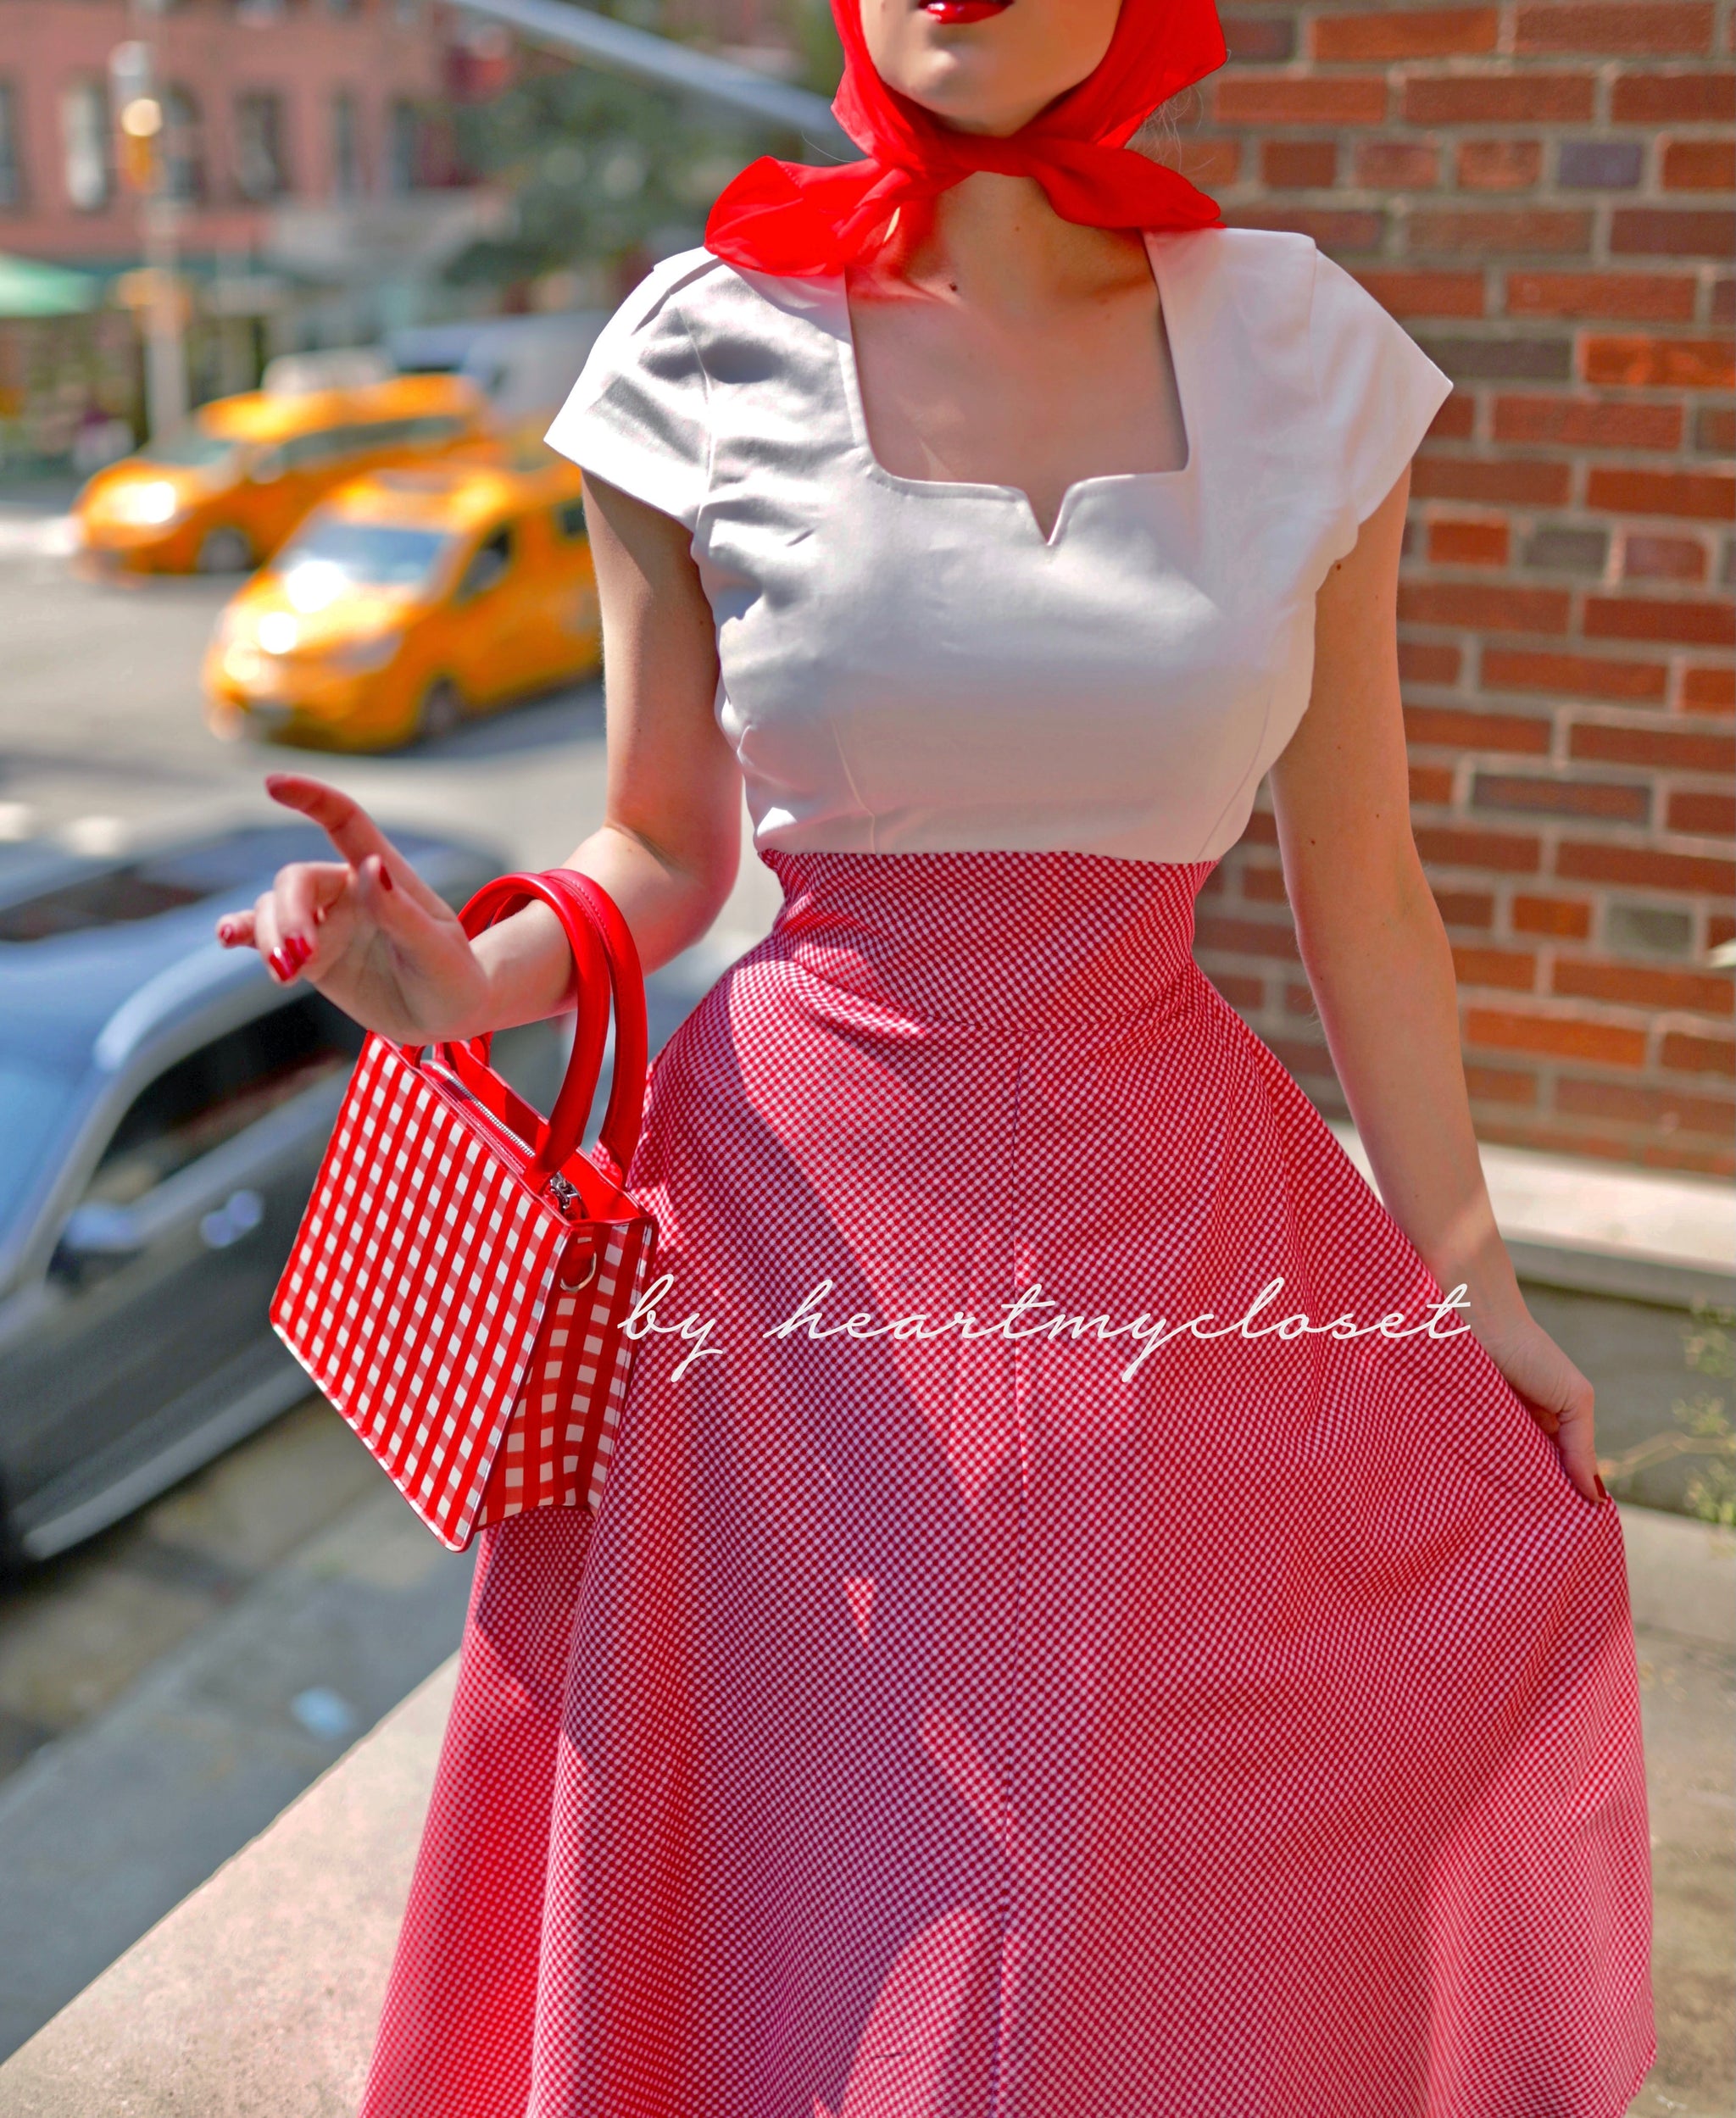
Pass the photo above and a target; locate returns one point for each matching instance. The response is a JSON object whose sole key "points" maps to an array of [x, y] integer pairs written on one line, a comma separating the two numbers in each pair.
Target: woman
{"points": [[949, 1714]]}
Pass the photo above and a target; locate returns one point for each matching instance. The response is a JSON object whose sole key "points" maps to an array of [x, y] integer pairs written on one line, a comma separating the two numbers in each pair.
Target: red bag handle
{"points": [[560, 1134], [620, 1133]]}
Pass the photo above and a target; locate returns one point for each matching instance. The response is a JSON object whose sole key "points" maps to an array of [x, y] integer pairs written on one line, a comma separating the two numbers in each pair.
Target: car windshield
{"points": [[189, 448], [368, 554], [35, 1104]]}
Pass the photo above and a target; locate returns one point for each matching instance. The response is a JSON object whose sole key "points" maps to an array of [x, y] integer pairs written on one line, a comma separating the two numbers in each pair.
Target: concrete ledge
{"points": [[1597, 1228], [260, 1994]]}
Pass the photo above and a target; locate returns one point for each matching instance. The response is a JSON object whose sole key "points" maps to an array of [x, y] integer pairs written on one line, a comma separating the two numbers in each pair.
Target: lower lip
{"points": [[952, 12]]}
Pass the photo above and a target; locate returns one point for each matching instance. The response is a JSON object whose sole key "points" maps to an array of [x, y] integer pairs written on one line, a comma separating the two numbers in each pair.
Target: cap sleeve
{"points": [[637, 415], [1378, 391]]}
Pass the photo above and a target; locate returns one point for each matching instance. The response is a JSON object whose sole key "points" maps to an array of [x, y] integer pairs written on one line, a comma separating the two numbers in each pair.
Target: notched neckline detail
{"points": [[850, 380]]}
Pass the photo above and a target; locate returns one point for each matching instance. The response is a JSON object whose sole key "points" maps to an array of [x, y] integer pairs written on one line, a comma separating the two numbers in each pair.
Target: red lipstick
{"points": [[963, 11]]}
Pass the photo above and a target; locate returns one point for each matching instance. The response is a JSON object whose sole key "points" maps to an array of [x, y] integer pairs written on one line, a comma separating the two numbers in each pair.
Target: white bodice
{"points": [[907, 665]]}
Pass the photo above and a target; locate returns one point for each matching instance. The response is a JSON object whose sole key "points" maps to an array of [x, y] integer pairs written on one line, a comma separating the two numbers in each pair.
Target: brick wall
{"points": [[1542, 194]]}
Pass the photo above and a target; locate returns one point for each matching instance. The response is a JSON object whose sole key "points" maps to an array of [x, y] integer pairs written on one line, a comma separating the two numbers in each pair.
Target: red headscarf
{"points": [[785, 218]]}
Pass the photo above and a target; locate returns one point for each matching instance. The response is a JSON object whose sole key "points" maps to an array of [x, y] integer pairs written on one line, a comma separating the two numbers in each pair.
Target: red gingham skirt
{"points": [[938, 1726]]}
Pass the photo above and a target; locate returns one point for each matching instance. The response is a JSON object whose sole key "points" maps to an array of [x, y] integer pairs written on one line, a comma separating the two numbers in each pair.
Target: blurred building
{"points": [[309, 170]]}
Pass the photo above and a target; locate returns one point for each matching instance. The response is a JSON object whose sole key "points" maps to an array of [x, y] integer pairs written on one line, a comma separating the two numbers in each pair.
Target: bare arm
{"points": [[371, 936], [1378, 961]]}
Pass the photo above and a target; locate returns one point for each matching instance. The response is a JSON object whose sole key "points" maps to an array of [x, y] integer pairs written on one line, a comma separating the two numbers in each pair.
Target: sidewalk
{"points": [[258, 1996]]}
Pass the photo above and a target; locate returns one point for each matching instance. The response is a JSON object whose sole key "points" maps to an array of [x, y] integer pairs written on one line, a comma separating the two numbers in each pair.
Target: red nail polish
{"points": [[296, 950], [280, 968], [1603, 1491], [386, 882]]}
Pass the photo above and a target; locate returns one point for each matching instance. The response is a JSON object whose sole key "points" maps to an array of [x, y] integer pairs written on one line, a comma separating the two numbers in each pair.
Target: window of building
{"points": [[346, 147], [11, 147], [84, 136], [262, 163], [183, 147], [404, 146]]}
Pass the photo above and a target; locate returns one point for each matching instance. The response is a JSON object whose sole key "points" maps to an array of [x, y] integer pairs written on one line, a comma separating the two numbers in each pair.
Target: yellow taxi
{"points": [[411, 599], [221, 493]]}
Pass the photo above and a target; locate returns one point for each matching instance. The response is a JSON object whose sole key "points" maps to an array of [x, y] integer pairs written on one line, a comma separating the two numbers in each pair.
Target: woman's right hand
{"points": [[365, 930]]}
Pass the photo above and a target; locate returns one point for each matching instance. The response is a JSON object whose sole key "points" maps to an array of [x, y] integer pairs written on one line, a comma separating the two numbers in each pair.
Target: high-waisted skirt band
{"points": [[972, 1720]]}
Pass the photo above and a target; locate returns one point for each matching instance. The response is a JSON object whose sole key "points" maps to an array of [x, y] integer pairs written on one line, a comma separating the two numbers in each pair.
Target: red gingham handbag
{"points": [[462, 1275]]}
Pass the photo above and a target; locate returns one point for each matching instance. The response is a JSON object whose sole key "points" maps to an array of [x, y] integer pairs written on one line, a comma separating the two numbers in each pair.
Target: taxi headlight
{"points": [[150, 503], [243, 663], [360, 658]]}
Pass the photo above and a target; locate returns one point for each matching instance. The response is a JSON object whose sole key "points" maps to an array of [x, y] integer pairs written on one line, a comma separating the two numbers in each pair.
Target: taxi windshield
{"points": [[363, 554], [188, 448]]}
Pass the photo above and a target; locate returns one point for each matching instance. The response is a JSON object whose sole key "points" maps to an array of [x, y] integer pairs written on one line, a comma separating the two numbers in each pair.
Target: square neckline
{"points": [[850, 378]]}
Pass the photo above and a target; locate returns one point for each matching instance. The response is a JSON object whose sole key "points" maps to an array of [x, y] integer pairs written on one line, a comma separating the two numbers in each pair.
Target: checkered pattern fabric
{"points": [[930, 1726], [424, 1297]]}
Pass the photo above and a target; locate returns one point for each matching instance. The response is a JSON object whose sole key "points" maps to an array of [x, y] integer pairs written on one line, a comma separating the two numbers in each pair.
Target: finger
{"points": [[235, 930], [268, 940], [404, 919], [349, 827], [1577, 1442], [305, 892]]}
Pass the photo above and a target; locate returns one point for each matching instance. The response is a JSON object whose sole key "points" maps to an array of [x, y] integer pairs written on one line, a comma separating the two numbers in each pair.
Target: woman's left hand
{"points": [[1557, 1396]]}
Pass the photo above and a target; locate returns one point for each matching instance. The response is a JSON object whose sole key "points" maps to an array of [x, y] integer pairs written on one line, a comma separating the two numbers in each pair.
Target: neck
{"points": [[999, 245]]}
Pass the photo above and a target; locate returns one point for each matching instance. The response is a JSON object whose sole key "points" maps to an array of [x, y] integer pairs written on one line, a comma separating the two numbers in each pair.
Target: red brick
{"points": [[1701, 494], [1648, 28], [1427, 293], [1288, 99], [1210, 164], [1724, 304], [1657, 1106], [1574, 423], [1430, 783], [1467, 543], [1663, 232], [1494, 99], [1339, 229], [1660, 363], [1483, 606], [1298, 166], [1555, 1035], [1260, 40], [1620, 800], [1699, 166], [1568, 918], [1655, 99], [1487, 229], [1507, 967], [1715, 428], [1391, 33], [1709, 690], [1455, 421], [1641, 868], [1397, 165], [1704, 816], [1429, 662], [1474, 908], [1499, 1085], [1651, 298], [1450, 847], [1499, 165], [1684, 1054], [1249, 994], [1651, 618], [1445, 727], [1263, 886], [1245, 937], [1307, 1061], [1576, 676], [1642, 985], [1520, 481], [1669, 749], [1262, 830], [1662, 558]]}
